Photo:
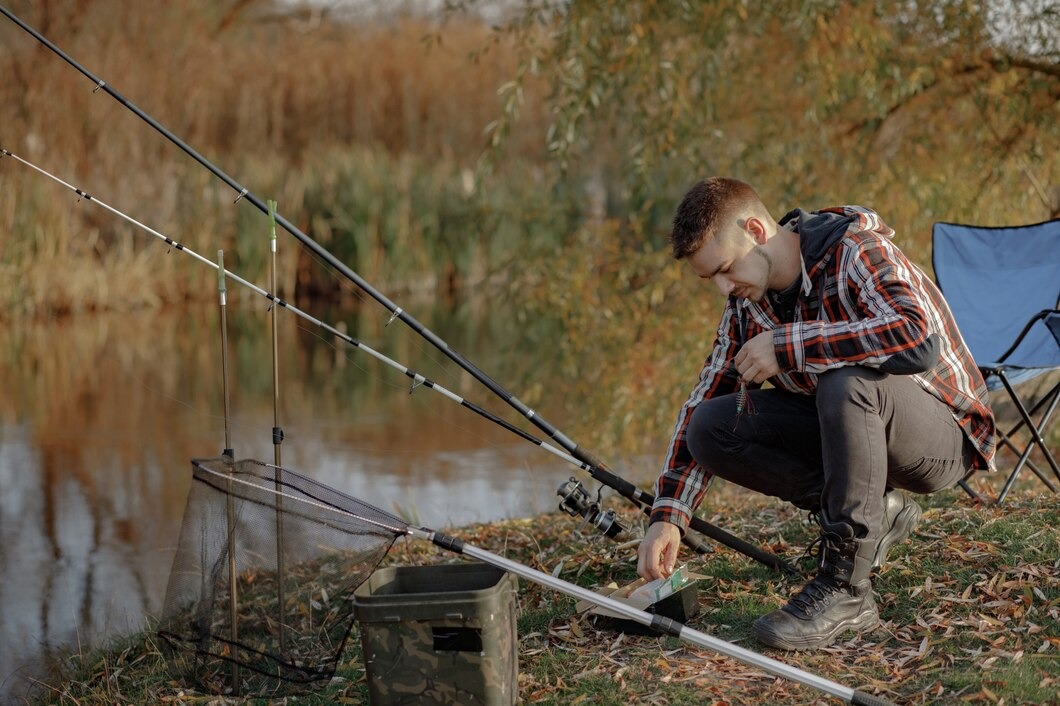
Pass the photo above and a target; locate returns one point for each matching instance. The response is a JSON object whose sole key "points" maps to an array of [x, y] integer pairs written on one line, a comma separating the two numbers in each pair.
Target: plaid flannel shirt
{"points": [[860, 304]]}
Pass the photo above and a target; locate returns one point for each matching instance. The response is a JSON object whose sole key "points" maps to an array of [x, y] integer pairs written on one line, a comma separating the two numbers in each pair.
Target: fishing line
{"points": [[593, 465]]}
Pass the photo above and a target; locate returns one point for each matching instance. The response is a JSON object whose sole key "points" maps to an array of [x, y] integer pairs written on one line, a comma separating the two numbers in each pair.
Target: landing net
{"points": [[260, 598]]}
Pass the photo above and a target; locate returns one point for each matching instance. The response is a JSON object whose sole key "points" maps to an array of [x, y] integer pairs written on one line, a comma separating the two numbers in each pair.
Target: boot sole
{"points": [[863, 623], [904, 523]]}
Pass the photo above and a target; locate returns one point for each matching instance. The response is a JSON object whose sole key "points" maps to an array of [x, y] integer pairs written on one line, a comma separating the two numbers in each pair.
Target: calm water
{"points": [[100, 415]]}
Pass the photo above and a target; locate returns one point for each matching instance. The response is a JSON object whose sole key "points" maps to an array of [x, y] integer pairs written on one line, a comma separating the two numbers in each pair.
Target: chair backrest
{"points": [[996, 280]]}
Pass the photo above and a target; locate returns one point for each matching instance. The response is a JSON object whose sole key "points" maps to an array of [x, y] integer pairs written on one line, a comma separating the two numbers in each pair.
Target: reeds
{"points": [[322, 115]]}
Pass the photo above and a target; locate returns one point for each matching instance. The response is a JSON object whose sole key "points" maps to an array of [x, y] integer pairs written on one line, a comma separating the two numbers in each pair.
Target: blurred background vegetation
{"points": [[531, 150]]}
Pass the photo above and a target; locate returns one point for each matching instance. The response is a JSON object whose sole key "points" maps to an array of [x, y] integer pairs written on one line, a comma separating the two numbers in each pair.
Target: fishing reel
{"points": [[574, 500]]}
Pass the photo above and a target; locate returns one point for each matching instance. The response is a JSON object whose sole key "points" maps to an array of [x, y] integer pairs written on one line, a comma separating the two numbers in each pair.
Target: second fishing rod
{"points": [[597, 468]]}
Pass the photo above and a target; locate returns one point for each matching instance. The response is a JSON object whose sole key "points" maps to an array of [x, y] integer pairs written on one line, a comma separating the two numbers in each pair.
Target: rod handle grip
{"points": [[744, 547], [696, 543], [599, 470]]}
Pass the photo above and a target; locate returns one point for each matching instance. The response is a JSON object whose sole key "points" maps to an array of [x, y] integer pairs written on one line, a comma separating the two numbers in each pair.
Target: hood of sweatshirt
{"points": [[819, 231]]}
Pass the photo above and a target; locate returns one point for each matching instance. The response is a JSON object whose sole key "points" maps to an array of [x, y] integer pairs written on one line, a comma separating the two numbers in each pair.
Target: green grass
{"points": [[970, 609]]}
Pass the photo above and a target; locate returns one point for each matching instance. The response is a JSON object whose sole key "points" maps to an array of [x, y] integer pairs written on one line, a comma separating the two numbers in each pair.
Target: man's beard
{"points": [[769, 264]]}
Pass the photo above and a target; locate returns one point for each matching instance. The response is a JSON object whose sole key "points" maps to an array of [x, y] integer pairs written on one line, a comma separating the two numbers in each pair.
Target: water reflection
{"points": [[100, 416]]}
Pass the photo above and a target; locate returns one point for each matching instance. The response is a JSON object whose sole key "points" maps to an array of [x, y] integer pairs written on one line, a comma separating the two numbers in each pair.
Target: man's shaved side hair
{"points": [[707, 208]]}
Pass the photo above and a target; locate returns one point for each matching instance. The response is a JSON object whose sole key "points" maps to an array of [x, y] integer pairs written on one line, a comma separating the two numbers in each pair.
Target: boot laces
{"points": [[816, 549], [813, 596], [813, 550]]}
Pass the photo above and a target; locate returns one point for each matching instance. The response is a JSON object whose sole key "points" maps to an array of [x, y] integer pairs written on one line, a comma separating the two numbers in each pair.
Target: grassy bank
{"points": [[971, 612]]}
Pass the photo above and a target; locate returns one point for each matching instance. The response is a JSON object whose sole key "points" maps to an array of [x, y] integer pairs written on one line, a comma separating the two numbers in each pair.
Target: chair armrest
{"points": [[1040, 316]]}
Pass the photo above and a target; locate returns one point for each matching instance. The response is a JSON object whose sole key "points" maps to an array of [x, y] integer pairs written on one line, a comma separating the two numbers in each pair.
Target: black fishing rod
{"points": [[596, 467], [575, 499]]}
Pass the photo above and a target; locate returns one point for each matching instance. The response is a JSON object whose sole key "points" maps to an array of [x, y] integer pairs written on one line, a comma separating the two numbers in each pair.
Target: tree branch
{"points": [[1005, 61]]}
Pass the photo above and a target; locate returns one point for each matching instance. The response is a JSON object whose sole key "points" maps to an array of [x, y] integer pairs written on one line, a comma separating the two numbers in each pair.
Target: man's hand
{"points": [[658, 551], [757, 360]]}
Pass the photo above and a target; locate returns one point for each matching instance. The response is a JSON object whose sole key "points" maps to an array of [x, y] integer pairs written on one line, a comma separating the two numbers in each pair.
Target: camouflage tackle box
{"points": [[441, 634]]}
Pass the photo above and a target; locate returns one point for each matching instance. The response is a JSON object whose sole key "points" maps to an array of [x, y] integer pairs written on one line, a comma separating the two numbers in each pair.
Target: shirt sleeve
{"points": [[683, 482], [881, 313]]}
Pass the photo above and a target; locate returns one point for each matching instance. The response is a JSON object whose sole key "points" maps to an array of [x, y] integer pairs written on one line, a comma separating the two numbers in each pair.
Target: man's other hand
{"points": [[757, 359], [658, 551]]}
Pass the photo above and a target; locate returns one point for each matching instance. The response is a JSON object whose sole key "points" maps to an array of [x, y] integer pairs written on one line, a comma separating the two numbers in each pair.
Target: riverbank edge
{"points": [[970, 608]]}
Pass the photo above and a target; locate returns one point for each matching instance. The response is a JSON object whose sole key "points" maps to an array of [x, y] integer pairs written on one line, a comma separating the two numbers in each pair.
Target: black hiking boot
{"points": [[900, 517], [838, 599]]}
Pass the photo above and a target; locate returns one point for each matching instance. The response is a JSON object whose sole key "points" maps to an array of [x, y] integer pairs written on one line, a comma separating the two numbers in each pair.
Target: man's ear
{"points": [[756, 229]]}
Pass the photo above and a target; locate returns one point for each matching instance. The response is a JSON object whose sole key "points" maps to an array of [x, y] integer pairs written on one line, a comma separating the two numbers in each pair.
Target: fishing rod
{"points": [[574, 498], [596, 467]]}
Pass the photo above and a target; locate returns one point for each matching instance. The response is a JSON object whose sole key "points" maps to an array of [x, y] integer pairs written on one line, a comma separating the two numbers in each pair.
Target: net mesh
{"points": [[260, 598]]}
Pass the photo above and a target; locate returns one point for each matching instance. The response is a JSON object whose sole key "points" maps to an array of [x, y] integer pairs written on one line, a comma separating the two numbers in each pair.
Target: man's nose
{"points": [[724, 284]]}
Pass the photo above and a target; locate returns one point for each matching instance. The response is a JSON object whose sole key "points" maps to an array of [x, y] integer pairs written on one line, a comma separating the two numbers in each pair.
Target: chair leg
{"points": [[1004, 438], [1036, 437], [1006, 441], [963, 483]]}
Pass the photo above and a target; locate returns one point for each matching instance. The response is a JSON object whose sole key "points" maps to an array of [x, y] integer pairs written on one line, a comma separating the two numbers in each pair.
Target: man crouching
{"points": [[873, 390]]}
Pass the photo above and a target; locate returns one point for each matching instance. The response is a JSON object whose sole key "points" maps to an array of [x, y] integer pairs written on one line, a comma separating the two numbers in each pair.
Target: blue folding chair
{"points": [[1003, 286]]}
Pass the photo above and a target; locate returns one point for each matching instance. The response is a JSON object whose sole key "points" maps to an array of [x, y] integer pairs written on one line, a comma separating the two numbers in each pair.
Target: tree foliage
{"points": [[952, 100], [925, 110]]}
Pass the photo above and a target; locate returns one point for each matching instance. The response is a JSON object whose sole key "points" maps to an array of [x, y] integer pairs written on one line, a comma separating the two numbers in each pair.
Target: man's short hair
{"points": [[709, 206]]}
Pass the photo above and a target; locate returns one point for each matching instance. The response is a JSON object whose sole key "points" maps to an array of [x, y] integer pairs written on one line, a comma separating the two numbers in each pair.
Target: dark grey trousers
{"points": [[863, 434]]}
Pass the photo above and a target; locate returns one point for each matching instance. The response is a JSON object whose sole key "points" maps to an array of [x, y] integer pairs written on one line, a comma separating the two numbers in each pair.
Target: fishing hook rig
{"points": [[574, 500]]}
